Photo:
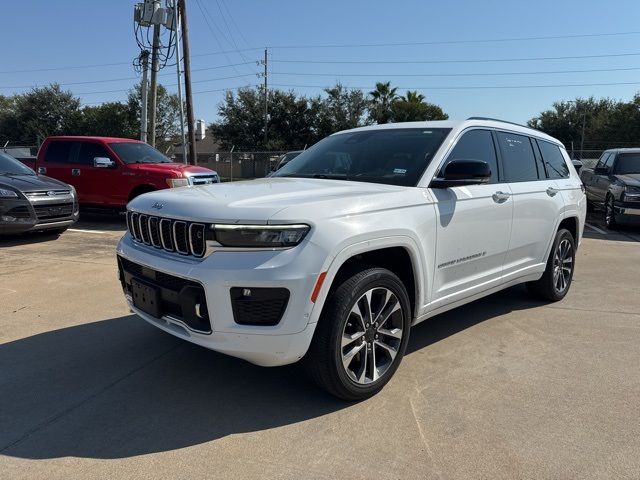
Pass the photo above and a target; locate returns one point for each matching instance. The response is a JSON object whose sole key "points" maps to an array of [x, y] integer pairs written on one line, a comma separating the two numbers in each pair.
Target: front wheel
{"points": [[610, 219], [361, 336], [558, 275]]}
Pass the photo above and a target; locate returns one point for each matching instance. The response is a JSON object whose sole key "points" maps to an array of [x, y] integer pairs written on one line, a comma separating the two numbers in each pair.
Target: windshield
{"points": [[286, 158], [395, 156], [11, 166], [628, 163], [130, 152]]}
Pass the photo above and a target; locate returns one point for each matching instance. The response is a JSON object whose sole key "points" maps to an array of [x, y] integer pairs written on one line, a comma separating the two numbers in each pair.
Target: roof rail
{"points": [[502, 121]]}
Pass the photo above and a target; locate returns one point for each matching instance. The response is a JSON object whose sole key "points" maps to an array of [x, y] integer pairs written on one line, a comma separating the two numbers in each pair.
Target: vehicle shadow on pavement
{"points": [[119, 388], [29, 238]]}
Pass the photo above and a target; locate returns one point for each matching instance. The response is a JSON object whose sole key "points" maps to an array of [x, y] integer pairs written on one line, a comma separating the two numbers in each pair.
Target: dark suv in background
{"points": [[29, 201]]}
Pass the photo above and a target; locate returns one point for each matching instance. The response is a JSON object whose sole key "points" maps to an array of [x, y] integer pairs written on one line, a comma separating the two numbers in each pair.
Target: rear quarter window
{"points": [[58, 152], [554, 160]]}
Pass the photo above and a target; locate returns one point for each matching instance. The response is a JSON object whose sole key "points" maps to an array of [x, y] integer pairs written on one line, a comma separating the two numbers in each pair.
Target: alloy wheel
{"points": [[562, 265], [372, 335]]}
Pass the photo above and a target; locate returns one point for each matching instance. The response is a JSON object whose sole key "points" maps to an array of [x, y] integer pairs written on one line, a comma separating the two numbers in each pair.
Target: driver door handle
{"points": [[500, 197], [552, 191]]}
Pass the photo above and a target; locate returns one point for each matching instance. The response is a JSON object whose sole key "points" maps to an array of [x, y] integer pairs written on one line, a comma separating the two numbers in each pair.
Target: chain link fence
{"points": [[239, 165]]}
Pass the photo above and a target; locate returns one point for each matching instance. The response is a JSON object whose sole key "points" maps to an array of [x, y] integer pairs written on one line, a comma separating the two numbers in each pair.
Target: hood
{"points": [[630, 179], [32, 183], [169, 169], [258, 201]]}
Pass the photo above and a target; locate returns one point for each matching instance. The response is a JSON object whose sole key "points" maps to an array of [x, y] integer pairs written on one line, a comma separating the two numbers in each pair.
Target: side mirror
{"points": [[103, 162], [577, 164], [600, 170], [459, 173]]}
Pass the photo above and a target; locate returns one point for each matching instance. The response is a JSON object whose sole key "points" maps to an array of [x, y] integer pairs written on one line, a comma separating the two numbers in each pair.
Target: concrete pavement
{"points": [[505, 387]]}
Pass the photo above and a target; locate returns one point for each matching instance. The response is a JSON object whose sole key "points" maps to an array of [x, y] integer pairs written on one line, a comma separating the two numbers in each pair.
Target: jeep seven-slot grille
{"points": [[185, 238]]}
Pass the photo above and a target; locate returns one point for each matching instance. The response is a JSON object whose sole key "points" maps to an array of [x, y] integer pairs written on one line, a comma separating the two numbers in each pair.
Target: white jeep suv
{"points": [[336, 256]]}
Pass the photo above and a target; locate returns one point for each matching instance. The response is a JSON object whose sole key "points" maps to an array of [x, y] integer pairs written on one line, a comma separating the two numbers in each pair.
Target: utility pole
{"points": [[193, 159], [144, 56], [154, 84], [584, 120], [266, 100], [176, 14]]}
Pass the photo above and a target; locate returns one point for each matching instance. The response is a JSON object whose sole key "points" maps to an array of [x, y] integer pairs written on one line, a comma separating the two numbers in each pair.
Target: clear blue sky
{"points": [[65, 33]]}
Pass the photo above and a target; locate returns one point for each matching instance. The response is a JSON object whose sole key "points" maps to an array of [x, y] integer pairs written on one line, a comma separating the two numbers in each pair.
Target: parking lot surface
{"points": [[505, 387]]}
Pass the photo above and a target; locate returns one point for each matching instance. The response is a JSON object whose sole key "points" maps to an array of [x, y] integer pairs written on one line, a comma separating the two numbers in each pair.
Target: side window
{"points": [[609, 162], [603, 159], [476, 145], [58, 152], [89, 151], [519, 161], [554, 160]]}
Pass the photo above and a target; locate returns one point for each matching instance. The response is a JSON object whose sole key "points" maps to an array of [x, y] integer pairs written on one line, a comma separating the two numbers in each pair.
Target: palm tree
{"points": [[413, 96], [382, 99]]}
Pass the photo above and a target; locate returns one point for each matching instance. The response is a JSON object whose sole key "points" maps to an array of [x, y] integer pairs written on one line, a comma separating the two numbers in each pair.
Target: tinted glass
{"points": [[628, 163], [395, 156], [130, 152], [58, 152], [10, 165], [519, 161], [603, 160], [476, 145], [554, 160], [609, 161], [89, 151]]}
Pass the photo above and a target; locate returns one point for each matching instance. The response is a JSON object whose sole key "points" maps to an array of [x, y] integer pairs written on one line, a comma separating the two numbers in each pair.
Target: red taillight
{"points": [[316, 289]]}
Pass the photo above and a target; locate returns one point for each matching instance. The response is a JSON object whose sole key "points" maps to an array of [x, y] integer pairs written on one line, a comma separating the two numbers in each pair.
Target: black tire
{"points": [[324, 360], [610, 217], [547, 287]]}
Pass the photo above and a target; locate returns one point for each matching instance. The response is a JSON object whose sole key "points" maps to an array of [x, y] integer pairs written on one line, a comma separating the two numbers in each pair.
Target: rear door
{"points": [[537, 204], [56, 162], [474, 223]]}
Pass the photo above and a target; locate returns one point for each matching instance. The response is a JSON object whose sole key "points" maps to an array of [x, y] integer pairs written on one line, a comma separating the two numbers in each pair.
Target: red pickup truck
{"points": [[109, 172]]}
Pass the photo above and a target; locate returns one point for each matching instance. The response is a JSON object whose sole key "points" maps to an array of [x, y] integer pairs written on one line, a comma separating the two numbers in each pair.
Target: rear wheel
{"points": [[556, 280], [361, 336]]}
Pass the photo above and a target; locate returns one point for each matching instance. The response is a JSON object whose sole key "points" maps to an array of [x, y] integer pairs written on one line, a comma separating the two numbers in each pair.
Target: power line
{"points": [[474, 87], [470, 74], [455, 42], [473, 60]]}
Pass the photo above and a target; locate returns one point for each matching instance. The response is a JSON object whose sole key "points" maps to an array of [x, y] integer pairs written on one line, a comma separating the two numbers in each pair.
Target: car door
{"points": [[591, 179], [537, 203], [473, 225], [603, 178], [56, 162], [99, 185]]}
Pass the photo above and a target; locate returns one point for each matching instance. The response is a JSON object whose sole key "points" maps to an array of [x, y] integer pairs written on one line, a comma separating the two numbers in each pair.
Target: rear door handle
{"points": [[500, 197], [75, 172], [552, 191]]}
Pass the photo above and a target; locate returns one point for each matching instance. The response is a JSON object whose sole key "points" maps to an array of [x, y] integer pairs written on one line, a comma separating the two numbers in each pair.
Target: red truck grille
{"points": [[182, 237]]}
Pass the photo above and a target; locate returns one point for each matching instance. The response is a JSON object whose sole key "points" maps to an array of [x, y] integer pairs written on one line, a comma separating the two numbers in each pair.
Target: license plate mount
{"points": [[146, 298]]}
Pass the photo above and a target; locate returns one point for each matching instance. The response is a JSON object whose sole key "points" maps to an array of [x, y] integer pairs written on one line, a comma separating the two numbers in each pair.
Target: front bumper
{"points": [[295, 269], [630, 209], [19, 216]]}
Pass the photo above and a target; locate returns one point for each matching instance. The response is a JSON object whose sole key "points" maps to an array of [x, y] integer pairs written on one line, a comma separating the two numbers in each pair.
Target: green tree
{"points": [[341, 109], [111, 119], [167, 115], [30, 117], [413, 108], [381, 102]]}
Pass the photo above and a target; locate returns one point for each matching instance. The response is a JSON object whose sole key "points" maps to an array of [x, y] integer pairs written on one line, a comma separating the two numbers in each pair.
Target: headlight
{"points": [[7, 193], [177, 182], [260, 236], [632, 193]]}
